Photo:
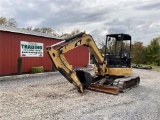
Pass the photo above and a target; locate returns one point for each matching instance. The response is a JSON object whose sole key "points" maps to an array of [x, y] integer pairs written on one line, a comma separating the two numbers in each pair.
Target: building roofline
{"points": [[27, 32]]}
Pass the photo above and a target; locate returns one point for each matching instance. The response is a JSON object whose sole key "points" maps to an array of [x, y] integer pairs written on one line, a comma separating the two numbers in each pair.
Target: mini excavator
{"points": [[113, 72]]}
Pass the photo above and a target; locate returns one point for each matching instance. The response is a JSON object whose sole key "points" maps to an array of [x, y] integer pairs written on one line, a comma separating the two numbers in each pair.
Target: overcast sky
{"points": [[139, 18]]}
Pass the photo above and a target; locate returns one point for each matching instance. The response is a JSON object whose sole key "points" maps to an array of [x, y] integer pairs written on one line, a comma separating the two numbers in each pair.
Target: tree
{"points": [[137, 52], [65, 35], [74, 32], [3, 21], [47, 30], [153, 52], [37, 29], [143, 55], [101, 41], [28, 28], [11, 22]]}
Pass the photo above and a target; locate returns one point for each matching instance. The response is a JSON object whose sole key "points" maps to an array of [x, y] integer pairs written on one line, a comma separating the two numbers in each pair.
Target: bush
{"points": [[37, 69]]}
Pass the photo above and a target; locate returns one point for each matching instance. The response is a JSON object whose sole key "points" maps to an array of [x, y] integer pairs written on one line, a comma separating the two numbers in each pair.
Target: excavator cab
{"points": [[117, 51]]}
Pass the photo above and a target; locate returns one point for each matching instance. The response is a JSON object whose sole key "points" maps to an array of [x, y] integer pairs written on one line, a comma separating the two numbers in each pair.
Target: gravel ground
{"points": [[53, 97]]}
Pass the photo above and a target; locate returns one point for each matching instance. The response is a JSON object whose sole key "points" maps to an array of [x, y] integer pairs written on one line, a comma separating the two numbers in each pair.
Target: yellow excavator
{"points": [[113, 72]]}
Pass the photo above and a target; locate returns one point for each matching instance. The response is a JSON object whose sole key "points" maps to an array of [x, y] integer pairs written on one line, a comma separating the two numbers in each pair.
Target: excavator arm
{"points": [[79, 78]]}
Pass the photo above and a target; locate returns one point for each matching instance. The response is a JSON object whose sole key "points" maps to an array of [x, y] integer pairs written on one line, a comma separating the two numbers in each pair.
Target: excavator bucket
{"points": [[84, 77]]}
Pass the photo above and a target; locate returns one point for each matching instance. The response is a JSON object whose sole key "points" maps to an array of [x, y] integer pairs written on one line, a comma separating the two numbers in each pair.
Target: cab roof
{"points": [[119, 37]]}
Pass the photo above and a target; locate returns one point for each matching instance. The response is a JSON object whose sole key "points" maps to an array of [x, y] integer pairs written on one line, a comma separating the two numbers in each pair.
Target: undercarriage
{"points": [[107, 84]]}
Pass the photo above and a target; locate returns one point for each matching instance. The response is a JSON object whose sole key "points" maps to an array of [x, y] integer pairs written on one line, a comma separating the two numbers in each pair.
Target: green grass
{"points": [[155, 68]]}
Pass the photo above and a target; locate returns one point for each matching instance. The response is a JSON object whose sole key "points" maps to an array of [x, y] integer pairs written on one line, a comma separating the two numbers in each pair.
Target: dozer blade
{"points": [[126, 83], [104, 88]]}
